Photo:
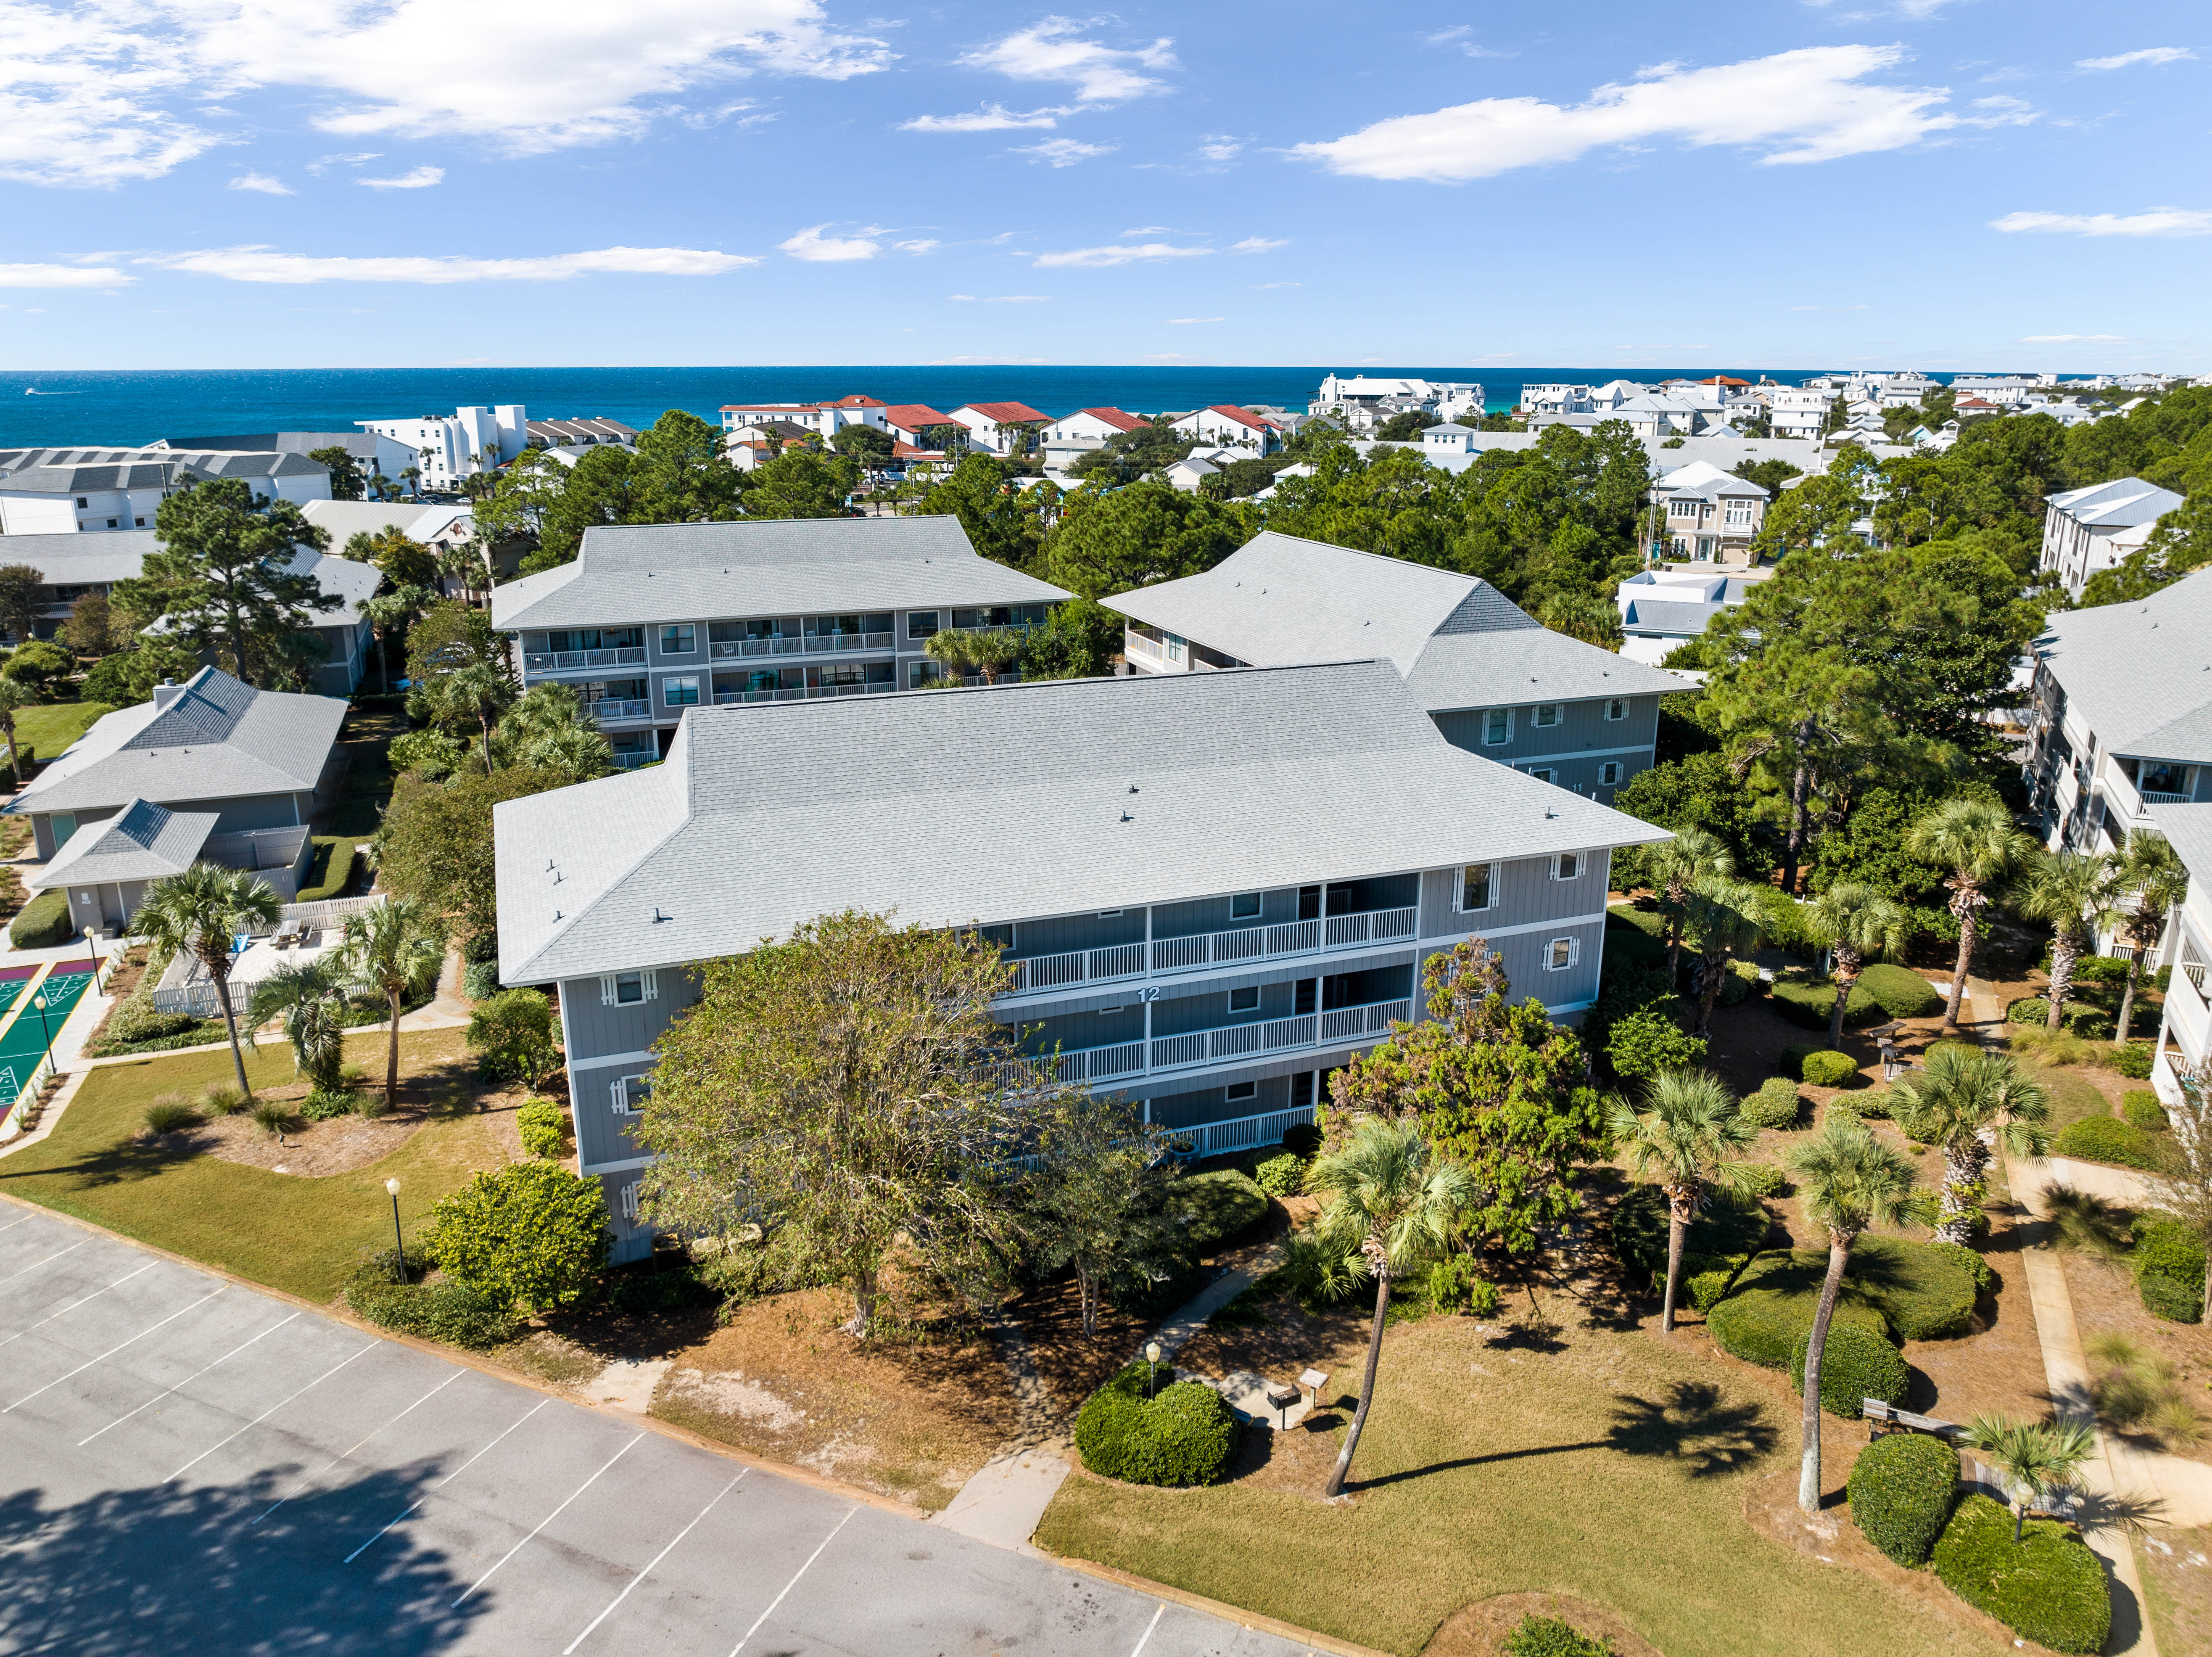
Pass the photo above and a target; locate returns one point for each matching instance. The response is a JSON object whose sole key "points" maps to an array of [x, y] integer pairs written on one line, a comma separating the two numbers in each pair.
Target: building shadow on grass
{"points": [[168, 1568]]}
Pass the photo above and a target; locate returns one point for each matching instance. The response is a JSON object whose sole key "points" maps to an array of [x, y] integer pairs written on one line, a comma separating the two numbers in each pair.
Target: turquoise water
{"points": [[46, 407]]}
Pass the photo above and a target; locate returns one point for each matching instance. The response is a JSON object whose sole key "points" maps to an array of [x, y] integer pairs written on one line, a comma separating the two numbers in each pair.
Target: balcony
{"points": [[802, 693], [632, 759], [1205, 949], [1341, 1026], [614, 709], [559, 661], [803, 644], [2159, 797]]}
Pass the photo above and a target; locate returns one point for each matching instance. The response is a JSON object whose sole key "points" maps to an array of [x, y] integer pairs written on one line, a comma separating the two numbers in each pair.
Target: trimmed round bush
{"points": [[2104, 1139], [1183, 1436], [2028, 1009], [1810, 1005], [1858, 1363], [1967, 1261], [543, 1126], [2170, 1249], [2162, 1297], [2141, 1107], [1212, 1208], [1303, 1139], [2134, 1059], [2047, 1586], [1899, 992], [1552, 1636], [1281, 1175], [1829, 1069], [1772, 1304], [1764, 1179], [1923, 1290], [1776, 1105], [44, 923], [1902, 1489]]}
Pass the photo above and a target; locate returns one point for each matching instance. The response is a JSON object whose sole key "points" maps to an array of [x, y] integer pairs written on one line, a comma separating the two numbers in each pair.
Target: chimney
{"points": [[166, 693]]}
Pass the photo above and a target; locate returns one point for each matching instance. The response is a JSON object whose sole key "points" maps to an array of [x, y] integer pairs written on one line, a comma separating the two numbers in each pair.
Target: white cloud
{"points": [[1049, 50], [1118, 255], [998, 299], [1220, 149], [260, 182], [817, 248], [421, 179], [61, 275], [1918, 11], [920, 245], [991, 118], [1185, 321], [265, 265], [1065, 152], [1463, 38], [323, 163], [1811, 105], [2067, 338], [85, 88], [1262, 287], [2158, 221], [1258, 245], [2129, 60]]}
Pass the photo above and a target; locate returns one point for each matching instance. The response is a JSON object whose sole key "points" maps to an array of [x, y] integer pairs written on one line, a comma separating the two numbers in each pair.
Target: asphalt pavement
{"points": [[194, 1468]]}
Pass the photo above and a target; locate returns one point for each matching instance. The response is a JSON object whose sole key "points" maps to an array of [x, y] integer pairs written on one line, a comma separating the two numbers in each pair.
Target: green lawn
{"points": [[50, 726], [301, 1236], [1612, 1468], [2071, 1097]]}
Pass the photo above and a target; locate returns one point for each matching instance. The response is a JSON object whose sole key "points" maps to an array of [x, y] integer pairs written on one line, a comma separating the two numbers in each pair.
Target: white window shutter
{"points": [[629, 1202], [622, 1103], [652, 981], [1573, 952], [607, 989]]}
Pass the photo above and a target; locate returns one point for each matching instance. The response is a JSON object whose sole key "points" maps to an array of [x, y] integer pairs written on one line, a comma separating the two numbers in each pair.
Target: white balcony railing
{"points": [[800, 644], [1124, 961], [1244, 1134], [607, 708], [728, 647], [1232, 1041], [1288, 938], [1352, 1023], [802, 693], [630, 759], [2159, 797], [1376, 926], [550, 661]]}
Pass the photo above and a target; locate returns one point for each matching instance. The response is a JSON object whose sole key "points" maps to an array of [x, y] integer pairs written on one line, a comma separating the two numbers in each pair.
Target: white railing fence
{"points": [[1244, 1133]]}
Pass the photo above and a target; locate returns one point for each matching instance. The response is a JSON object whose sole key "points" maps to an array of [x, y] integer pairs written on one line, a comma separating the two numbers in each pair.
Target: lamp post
{"points": [[398, 1243], [92, 948], [1152, 1374], [39, 1002]]}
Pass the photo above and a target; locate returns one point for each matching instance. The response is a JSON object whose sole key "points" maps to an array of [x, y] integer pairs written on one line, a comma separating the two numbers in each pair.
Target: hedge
{"points": [[1902, 1490], [1185, 1436], [543, 1126], [2170, 1249], [1776, 1105], [449, 1311], [1925, 1290], [2106, 1139], [1764, 1180], [2047, 1587], [1910, 1290], [1212, 1208], [1772, 1304], [2141, 1107], [1901, 993], [2162, 1297], [1967, 1261], [2134, 1059], [1812, 1005], [2090, 1023], [1829, 1069], [44, 922], [1280, 1175], [1858, 1363]]}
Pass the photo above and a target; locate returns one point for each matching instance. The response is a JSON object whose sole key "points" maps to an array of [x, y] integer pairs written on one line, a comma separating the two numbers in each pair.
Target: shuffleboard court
{"points": [[25, 1027]]}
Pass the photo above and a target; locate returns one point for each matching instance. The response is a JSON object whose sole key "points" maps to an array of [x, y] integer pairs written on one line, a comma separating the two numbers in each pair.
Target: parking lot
{"points": [[188, 1465]]}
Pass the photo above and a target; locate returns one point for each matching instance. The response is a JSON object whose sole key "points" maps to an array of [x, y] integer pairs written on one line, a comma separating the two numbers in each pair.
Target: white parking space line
{"points": [[548, 1520], [448, 1479], [187, 1381], [112, 1351], [1146, 1638], [342, 1455], [35, 1265], [269, 1411], [12, 1224], [567, 1650], [793, 1583], [73, 1305]]}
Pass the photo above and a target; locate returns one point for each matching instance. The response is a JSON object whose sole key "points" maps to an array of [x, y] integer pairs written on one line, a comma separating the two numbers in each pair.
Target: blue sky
{"points": [[1804, 183]]}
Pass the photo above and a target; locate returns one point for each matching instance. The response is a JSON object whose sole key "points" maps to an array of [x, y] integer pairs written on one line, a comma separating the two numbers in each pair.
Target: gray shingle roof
{"points": [[220, 740], [1008, 802], [2119, 504], [1460, 642], [72, 560], [1668, 617], [76, 471], [632, 574], [2190, 828], [143, 841], [2140, 674]]}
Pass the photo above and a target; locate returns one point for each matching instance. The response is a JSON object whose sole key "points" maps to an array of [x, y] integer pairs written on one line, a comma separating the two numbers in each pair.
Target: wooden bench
{"points": [[1888, 1418]]}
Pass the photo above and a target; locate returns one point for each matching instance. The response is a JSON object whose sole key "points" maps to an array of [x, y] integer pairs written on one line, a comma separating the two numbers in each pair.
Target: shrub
{"points": [[1902, 1490], [1776, 1105], [1212, 1208], [1740, 980], [2089, 1024], [44, 922], [223, 1098], [2133, 1060], [2104, 1139], [1707, 1290], [1302, 1139], [1280, 1175], [1829, 1069], [1183, 1436], [644, 1292], [480, 980], [1772, 1304], [2141, 1107], [448, 1311], [543, 1126], [2047, 1587], [1764, 1179], [1858, 1364], [1650, 1039], [2162, 1297], [271, 1116], [1811, 1004], [1967, 1261], [135, 1018], [2028, 1009], [321, 1104], [429, 754], [514, 1030], [2171, 1250], [1454, 1286], [1901, 993], [1549, 1637], [171, 1113], [1923, 1290], [532, 1232]]}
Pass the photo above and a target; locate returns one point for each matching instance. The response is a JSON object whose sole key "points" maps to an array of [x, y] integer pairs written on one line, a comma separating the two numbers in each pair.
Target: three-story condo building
{"points": [[1496, 681], [1213, 888], [2184, 1033], [652, 619]]}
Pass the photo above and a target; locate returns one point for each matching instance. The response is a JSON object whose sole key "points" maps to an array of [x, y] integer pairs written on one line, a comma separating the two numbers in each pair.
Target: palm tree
{"points": [[1727, 917], [2035, 1458], [2151, 870], [305, 994], [1978, 841], [1849, 1180], [1968, 1102], [2075, 892], [1675, 865], [994, 649], [392, 947], [1855, 920], [1390, 1200], [200, 910], [1682, 1143], [15, 697], [478, 691], [387, 613], [950, 648]]}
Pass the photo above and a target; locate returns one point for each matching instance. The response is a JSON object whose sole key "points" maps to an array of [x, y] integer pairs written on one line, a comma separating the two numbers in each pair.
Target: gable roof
{"points": [[76, 559], [1241, 779], [217, 739], [2190, 828], [629, 575], [1705, 479], [142, 842], [2140, 674], [1458, 641], [413, 518], [1003, 414], [914, 416], [1120, 419], [2121, 503]]}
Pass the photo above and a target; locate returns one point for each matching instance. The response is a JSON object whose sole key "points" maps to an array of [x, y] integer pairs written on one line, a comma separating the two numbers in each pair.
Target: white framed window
{"points": [[1567, 866], [1478, 887], [628, 1094], [680, 693], [629, 1202], [1246, 1000], [921, 624], [1616, 708], [1236, 1092], [628, 989], [1497, 728], [1178, 646], [1609, 773], [1245, 906], [1739, 515], [675, 639], [1544, 773], [1546, 715], [1682, 509], [1562, 954]]}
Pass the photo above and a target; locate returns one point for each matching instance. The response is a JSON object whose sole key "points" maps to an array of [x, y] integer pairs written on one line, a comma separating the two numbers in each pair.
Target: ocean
{"points": [[121, 407]]}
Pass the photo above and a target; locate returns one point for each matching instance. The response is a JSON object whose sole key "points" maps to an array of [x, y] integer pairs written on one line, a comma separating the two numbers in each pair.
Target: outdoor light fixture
{"points": [[1152, 1374], [398, 1244], [39, 1002]]}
